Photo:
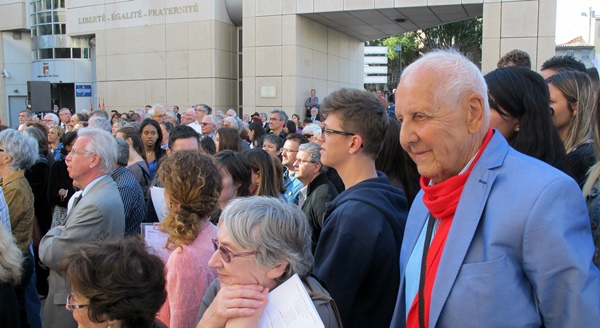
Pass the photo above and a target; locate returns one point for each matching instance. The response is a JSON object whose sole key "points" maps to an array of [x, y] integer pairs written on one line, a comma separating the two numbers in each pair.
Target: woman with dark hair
{"points": [[207, 144], [60, 184], [152, 138], [572, 99], [290, 127], [114, 284], [235, 176], [298, 122], [227, 138], [267, 173], [396, 164], [192, 185], [255, 134], [115, 117], [136, 163], [520, 111]]}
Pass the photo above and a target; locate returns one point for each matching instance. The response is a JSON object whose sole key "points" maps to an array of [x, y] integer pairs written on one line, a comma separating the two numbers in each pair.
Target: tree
{"points": [[409, 54], [464, 36]]}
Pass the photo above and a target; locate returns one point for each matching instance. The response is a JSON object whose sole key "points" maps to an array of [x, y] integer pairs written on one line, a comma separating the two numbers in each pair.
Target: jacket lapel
{"points": [[466, 220]]}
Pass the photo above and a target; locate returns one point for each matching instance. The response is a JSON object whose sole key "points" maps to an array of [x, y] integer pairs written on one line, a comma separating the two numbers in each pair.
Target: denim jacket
{"points": [[593, 204]]}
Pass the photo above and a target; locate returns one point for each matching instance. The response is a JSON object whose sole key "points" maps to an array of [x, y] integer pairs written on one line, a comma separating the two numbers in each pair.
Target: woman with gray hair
{"points": [[18, 151], [261, 243]]}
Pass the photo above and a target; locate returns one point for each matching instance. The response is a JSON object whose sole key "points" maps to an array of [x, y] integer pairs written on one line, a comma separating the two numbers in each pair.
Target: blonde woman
{"points": [[192, 185], [572, 101], [55, 134]]}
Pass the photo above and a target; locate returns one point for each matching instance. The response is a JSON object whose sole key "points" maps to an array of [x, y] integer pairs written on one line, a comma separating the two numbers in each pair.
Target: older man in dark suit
{"points": [[317, 190], [95, 215]]}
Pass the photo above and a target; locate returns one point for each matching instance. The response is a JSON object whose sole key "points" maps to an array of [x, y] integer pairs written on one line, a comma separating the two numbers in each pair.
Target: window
{"points": [[45, 29], [571, 53], [62, 52], [585, 54], [46, 54], [76, 52], [60, 29], [86, 53]]}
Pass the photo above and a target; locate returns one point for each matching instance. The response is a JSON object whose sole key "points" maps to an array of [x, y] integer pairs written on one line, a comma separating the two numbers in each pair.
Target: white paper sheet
{"points": [[290, 306], [158, 199], [156, 240]]}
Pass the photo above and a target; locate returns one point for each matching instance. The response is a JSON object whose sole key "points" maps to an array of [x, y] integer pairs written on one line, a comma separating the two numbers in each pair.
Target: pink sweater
{"points": [[188, 277]]}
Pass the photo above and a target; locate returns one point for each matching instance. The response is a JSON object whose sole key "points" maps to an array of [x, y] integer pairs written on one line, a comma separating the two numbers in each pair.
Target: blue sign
{"points": [[83, 90]]}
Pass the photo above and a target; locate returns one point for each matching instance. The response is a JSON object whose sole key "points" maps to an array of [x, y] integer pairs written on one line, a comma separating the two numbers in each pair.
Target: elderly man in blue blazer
{"points": [[97, 215], [495, 238]]}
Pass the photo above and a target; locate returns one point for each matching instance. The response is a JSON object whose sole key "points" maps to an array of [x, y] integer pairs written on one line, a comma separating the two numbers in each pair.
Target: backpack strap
{"points": [[321, 295]]}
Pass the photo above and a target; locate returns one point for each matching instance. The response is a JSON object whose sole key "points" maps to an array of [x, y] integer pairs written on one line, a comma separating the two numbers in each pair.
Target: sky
{"points": [[569, 20]]}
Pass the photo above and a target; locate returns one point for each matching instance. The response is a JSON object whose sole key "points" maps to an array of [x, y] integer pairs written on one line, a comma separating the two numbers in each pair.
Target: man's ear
{"points": [[356, 144], [475, 112]]}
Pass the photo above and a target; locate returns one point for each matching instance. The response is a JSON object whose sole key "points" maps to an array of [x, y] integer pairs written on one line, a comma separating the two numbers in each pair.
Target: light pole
{"points": [[398, 49]]}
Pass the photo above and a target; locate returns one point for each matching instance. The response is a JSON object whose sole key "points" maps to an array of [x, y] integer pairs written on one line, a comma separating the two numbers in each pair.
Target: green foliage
{"points": [[464, 36]]}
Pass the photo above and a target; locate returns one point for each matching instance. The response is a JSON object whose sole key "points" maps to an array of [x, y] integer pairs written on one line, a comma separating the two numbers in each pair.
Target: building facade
{"points": [[254, 55]]}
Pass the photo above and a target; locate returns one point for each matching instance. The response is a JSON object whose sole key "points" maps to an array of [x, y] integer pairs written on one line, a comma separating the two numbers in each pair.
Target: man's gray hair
{"points": [[122, 153], [171, 113], [100, 123], [212, 119], [313, 129], [231, 110], [234, 123], [282, 114], [22, 147], [27, 112], [153, 109], [99, 113], [278, 231], [458, 78], [54, 118], [103, 144], [219, 121], [314, 152]]}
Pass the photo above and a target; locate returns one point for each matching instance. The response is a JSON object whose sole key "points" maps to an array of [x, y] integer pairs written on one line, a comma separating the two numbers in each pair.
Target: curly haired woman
{"points": [[192, 185]]}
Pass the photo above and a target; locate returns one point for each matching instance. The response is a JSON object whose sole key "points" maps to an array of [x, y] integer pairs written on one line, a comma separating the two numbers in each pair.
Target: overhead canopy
{"points": [[373, 24]]}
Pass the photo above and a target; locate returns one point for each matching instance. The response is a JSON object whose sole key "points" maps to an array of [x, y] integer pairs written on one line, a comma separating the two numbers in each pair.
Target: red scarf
{"points": [[441, 200]]}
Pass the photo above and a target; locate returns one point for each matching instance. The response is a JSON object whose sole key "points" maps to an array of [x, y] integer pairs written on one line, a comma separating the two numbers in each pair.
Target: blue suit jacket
{"points": [[518, 254]]}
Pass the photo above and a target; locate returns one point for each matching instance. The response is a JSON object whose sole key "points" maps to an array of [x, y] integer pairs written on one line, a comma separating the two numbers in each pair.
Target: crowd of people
{"points": [[491, 180]]}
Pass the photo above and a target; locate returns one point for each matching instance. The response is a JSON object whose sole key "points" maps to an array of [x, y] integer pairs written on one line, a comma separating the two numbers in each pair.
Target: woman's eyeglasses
{"points": [[227, 254], [70, 306]]}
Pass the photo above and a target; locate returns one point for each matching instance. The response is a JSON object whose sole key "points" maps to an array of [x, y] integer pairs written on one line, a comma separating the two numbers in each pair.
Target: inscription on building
{"points": [[156, 12]]}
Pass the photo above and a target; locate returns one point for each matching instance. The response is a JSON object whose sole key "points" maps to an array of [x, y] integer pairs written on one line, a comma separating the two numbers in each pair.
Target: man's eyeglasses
{"points": [[70, 306], [342, 133], [227, 254], [205, 124], [304, 161], [74, 152], [287, 150]]}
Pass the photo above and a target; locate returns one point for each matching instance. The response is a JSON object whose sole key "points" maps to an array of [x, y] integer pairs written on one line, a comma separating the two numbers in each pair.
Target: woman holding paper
{"points": [[262, 242], [192, 185]]}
